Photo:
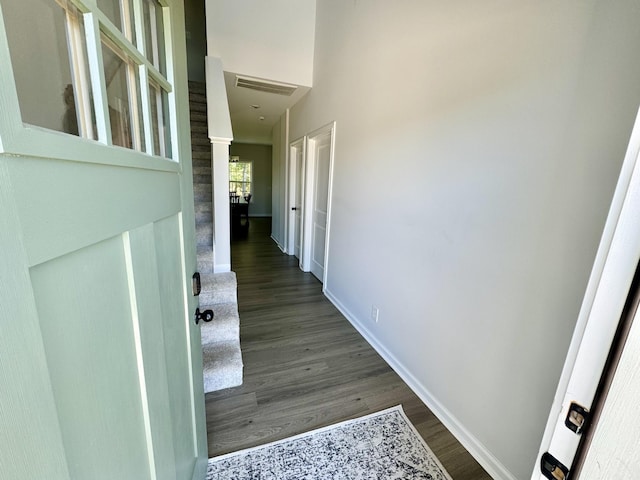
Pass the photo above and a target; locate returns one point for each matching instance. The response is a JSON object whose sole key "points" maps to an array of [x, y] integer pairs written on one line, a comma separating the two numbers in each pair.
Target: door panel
{"points": [[100, 201], [322, 159], [168, 249], [299, 165], [87, 329]]}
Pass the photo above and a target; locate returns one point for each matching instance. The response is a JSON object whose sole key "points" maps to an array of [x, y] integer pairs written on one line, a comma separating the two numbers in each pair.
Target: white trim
{"points": [[221, 267], [290, 194], [484, 457], [278, 244]]}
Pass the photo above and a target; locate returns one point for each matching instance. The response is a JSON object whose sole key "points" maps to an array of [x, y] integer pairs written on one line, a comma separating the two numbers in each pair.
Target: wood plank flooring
{"points": [[305, 365]]}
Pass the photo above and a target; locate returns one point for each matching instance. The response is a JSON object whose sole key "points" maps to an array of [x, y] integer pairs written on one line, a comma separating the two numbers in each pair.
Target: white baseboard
{"points": [[483, 456], [278, 244]]}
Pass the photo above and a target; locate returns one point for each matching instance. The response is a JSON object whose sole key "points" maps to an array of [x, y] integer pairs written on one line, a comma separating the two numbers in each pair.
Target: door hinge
{"points": [[552, 468], [577, 418], [205, 316]]}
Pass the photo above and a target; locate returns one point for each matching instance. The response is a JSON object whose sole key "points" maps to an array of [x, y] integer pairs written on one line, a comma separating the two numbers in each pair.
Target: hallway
{"points": [[305, 365]]}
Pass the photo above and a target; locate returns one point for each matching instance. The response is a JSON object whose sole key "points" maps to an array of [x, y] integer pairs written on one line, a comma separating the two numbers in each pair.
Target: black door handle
{"points": [[294, 208], [205, 316]]}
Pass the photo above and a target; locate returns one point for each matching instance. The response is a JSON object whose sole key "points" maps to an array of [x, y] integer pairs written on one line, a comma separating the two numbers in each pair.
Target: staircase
{"points": [[222, 357]]}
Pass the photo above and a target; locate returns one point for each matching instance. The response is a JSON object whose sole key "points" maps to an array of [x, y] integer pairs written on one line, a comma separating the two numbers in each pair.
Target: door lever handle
{"points": [[205, 316], [294, 208]]}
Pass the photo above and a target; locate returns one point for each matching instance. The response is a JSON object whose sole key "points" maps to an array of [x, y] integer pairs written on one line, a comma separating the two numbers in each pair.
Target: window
{"points": [[94, 69], [239, 177]]}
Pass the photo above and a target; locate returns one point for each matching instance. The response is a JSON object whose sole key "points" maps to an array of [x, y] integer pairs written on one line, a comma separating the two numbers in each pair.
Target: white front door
{"points": [[602, 307], [101, 368], [320, 147]]}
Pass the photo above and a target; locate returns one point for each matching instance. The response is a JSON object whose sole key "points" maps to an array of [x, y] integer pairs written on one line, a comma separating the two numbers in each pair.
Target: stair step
{"points": [[202, 171], [200, 140], [197, 101], [204, 207], [202, 188], [222, 363], [224, 326], [200, 129], [204, 259], [198, 87], [200, 196], [202, 179], [204, 234], [203, 157], [198, 107], [219, 288], [202, 217], [198, 117]]}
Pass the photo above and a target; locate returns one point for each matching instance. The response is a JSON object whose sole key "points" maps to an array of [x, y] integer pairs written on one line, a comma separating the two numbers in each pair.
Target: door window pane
{"points": [[120, 12], [122, 84], [49, 59], [154, 34], [160, 121]]}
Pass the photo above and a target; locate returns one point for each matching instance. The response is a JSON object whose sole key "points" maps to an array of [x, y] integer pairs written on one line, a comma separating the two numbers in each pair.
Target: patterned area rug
{"points": [[384, 445]]}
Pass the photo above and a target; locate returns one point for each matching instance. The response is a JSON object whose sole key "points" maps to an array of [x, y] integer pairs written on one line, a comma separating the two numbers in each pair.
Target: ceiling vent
{"points": [[265, 86]]}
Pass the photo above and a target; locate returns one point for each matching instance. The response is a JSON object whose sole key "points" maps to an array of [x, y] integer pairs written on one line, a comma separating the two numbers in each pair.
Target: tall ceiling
{"points": [[254, 113]]}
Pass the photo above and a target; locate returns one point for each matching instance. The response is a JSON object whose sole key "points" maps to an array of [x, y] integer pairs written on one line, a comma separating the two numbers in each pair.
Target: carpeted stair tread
{"points": [[204, 258], [204, 234], [201, 178], [198, 87], [202, 157], [224, 326], [223, 366], [219, 288], [203, 171]]}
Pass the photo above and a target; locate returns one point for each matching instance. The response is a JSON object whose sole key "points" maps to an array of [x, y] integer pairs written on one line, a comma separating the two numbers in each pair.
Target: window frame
{"points": [[250, 182], [23, 139]]}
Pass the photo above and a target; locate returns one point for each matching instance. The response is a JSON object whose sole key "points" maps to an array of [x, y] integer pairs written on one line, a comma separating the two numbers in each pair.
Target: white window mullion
{"points": [[96, 71], [139, 25], [80, 76], [145, 96], [135, 104]]}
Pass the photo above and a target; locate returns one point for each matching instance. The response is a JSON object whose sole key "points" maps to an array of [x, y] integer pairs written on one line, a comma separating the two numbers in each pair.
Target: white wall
{"points": [[477, 149], [260, 156], [279, 159], [272, 40]]}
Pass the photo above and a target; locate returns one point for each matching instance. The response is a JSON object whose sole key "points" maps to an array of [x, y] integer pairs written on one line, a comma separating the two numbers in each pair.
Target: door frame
{"points": [[309, 197], [292, 187], [606, 293]]}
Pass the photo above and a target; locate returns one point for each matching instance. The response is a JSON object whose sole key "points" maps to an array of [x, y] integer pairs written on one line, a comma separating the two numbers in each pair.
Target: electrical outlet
{"points": [[375, 313]]}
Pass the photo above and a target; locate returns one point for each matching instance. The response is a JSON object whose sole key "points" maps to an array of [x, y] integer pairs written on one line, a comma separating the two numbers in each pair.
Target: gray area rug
{"points": [[384, 445]]}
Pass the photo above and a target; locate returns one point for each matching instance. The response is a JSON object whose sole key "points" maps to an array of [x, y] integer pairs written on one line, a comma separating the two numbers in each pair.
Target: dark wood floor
{"points": [[305, 365]]}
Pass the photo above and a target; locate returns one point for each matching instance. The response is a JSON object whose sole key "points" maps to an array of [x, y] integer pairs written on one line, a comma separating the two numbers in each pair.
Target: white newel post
{"points": [[220, 135]]}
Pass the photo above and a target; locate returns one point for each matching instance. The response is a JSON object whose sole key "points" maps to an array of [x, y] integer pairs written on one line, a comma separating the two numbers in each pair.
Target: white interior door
{"points": [[320, 152], [101, 367], [605, 297], [296, 175]]}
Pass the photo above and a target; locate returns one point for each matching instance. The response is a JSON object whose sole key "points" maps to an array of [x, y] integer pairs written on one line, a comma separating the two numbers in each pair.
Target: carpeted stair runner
{"points": [[221, 337]]}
